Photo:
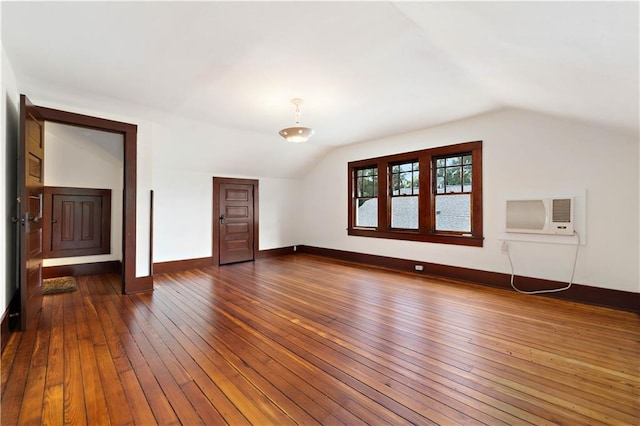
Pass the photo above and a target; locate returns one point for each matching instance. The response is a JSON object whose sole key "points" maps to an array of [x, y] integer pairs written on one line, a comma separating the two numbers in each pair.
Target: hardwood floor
{"points": [[305, 340]]}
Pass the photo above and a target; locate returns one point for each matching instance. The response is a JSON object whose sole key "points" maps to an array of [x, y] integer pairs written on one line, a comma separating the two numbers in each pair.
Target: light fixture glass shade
{"points": [[296, 134]]}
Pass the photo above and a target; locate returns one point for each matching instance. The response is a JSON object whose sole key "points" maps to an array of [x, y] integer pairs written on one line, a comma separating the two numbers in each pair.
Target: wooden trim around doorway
{"points": [[130, 283]]}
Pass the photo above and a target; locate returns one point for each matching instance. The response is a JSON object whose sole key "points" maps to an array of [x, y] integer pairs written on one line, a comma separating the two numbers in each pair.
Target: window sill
{"points": [[461, 240]]}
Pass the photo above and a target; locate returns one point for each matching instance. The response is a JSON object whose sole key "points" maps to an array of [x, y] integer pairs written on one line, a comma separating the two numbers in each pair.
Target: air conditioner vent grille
{"points": [[562, 210]]}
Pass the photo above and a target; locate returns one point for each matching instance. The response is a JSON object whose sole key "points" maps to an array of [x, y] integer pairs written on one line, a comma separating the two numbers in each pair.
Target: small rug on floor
{"points": [[59, 285]]}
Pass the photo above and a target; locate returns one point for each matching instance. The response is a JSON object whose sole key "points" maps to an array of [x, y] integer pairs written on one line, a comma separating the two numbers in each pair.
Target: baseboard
{"points": [[617, 299], [5, 329], [203, 262], [181, 265], [8, 323], [265, 254], [110, 267]]}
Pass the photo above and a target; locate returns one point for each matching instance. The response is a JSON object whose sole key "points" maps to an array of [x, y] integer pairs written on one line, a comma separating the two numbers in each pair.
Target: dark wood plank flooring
{"points": [[307, 340]]}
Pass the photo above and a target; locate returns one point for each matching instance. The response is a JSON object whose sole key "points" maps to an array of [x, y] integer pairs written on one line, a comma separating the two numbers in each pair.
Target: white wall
{"points": [[178, 158], [523, 153], [9, 105], [279, 213], [183, 203], [187, 154], [86, 158]]}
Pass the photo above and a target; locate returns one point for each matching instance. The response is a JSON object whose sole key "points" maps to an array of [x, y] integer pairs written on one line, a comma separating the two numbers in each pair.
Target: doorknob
{"points": [[35, 219], [222, 218]]}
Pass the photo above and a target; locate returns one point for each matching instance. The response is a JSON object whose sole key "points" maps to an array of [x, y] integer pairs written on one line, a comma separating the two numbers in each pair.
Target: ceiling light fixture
{"points": [[296, 134]]}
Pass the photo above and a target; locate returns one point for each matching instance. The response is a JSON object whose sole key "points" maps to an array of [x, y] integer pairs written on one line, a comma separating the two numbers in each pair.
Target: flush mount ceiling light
{"points": [[297, 133]]}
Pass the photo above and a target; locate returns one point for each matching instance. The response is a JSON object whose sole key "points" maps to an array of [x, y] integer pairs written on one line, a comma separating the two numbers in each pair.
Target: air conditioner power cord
{"points": [[553, 290]]}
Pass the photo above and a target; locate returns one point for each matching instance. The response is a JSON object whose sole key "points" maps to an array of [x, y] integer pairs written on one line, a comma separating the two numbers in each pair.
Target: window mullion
{"points": [[424, 200], [352, 194], [476, 187], [383, 196]]}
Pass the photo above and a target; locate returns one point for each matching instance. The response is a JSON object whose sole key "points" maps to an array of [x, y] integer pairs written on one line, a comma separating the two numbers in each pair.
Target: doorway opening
{"points": [[82, 217], [129, 137]]}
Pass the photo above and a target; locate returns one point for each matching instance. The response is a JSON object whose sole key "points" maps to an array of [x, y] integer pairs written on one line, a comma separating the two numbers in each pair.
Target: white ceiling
{"points": [[365, 69]]}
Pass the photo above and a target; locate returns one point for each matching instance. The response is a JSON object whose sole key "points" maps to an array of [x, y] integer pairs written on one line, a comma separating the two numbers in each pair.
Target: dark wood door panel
{"points": [[35, 166], [236, 227], [236, 248], [34, 245], [236, 239], [236, 194], [79, 221], [30, 188], [236, 212]]}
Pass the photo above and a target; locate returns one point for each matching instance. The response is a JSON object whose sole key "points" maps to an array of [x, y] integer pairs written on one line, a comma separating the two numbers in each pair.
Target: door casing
{"points": [[130, 283]]}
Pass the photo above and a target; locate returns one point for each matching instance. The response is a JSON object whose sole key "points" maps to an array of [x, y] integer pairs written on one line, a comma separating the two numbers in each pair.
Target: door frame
{"points": [[216, 207], [130, 284]]}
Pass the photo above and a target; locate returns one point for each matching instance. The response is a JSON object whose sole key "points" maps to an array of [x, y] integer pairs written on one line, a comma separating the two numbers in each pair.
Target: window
{"points": [[433, 195], [453, 193], [367, 197], [405, 185]]}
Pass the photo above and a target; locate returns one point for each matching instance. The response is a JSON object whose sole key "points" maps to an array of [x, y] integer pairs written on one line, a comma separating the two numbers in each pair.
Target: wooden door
{"points": [[77, 221], [30, 190], [235, 220], [236, 223]]}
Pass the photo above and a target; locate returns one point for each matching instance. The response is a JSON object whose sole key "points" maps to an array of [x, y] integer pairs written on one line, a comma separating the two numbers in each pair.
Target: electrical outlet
{"points": [[419, 268], [505, 247]]}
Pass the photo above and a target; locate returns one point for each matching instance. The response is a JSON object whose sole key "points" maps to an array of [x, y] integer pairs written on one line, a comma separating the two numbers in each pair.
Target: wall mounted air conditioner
{"points": [[542, 216]]}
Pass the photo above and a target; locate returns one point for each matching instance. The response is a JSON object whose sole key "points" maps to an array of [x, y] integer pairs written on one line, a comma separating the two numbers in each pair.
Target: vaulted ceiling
{"points": [[365, 69]]}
